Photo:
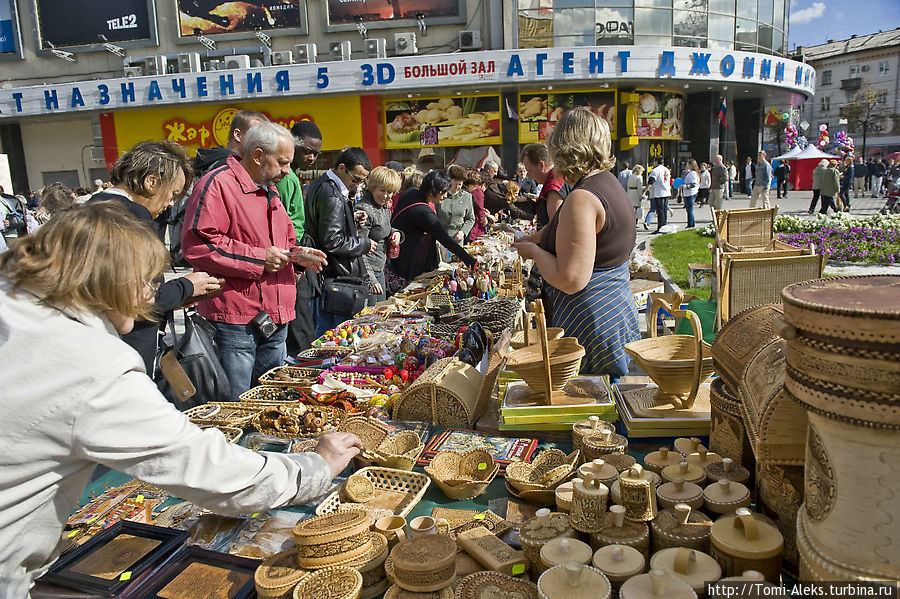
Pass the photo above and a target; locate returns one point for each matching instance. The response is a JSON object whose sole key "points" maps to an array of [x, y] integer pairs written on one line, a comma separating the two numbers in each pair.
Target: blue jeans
{"points": [[246, 355], [325, 320], [689, 208]]}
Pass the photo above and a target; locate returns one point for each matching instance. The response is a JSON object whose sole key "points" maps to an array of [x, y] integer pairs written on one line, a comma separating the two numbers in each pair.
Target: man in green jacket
{"points": [[817, 183], [307, 146]]}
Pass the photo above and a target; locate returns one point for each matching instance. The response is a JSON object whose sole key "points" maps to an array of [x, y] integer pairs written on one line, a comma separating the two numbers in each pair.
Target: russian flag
{"points": [[722, 116]]}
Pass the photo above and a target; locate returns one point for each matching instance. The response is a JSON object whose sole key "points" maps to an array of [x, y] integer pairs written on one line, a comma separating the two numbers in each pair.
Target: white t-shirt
{"points": [[662, 181], [705, 180]]}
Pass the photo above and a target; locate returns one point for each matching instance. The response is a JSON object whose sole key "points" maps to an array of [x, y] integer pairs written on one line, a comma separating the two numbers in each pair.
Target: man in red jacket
{"points": [[236, 228]]}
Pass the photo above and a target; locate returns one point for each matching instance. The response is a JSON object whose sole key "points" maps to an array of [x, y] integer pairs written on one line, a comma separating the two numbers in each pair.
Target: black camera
{"points": [[263, 323]]}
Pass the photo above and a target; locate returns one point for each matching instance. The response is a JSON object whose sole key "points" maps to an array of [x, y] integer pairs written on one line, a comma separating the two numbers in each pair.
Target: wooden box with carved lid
{"points": [[332, 538], [425, 563]]}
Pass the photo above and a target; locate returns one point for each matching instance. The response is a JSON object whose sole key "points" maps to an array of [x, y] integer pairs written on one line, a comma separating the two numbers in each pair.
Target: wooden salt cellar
{"points": [[332, 538], [727, 469], [599, 469], [686, 472], [703, 458], [589, 501], [615, 490], [725, 497], [638, 494], [617, 530], [492, 553], [618, 563], [741, 541], [656, 585], [562, 551], [693, 567], [680, 527], [424, 564], [678, 491], [597, 444], [573, 581], [333, 582], [538, 531], [657, 460], [588, 426]]}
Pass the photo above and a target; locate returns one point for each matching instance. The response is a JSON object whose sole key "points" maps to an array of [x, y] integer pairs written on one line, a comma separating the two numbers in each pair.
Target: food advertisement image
{"points": [[539, 112], [456, 121], [208, 17], [660, 115]]}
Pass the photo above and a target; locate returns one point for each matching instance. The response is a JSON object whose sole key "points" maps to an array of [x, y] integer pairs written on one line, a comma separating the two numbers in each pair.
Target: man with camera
{"points": [[236, 228]]}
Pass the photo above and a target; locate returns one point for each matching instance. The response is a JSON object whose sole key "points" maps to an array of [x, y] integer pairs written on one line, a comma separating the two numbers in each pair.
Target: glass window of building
{"points": [[745, 34], [535, 28], [721, 32], [826, 103], [778, 18], [615, 25], [722, 6], [854, 71], [826, 77], [883, 68], [765, 11], [690, 28], [573, 26], [653, 4], [652, 23], [765, 37], [881, 97]]}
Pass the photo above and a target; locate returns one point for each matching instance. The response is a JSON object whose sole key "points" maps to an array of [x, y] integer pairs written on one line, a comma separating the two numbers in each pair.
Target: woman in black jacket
{"points": [[147, 179], [415, 217]]}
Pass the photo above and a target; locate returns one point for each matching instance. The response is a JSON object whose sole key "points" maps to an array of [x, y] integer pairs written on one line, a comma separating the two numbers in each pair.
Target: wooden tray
{"points": [[395, 490], [290, 376], [222, 414]]}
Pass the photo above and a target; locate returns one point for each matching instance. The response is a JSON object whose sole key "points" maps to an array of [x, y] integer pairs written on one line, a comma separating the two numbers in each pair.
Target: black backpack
{"points": [[175, 223]]}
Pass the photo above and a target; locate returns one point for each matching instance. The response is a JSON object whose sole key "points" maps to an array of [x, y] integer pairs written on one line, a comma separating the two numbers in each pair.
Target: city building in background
{"points": [[857, 90], [408, 80]]}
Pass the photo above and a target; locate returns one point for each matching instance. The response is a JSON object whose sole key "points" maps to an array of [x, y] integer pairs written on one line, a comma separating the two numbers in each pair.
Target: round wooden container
{"points": [[371, 565], [680, 527], [739, 338], [686, 472], [562, 551], [617, 530], [620, 461], [725, 496], [727, 433], [564, 494], [588, 426], [573, 581], [425, 563], [678, 491], [727, 469], [332, 538], [693, 567], [657, 460], [395, 592], [597, 444], [686, 446], [760, 588], [538, 531], [334, 582], [490, 585], [589, 499], [741, 541], [703, 458], [615, 490], [779, 493], [656, 584], [638, 494], [277, 576], [618, 563], [599, 469]]}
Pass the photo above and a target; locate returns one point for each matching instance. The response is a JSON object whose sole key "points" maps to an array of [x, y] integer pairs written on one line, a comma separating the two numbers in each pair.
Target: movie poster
{"points": [[373, 11], [208, 17]]}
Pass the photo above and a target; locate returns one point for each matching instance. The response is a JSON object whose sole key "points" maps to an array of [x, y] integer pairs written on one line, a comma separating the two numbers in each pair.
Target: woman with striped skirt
{"points": [[583, 252]]}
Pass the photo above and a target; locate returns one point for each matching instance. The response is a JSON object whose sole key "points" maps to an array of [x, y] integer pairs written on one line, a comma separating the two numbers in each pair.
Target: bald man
{"points": [[718, 179]]}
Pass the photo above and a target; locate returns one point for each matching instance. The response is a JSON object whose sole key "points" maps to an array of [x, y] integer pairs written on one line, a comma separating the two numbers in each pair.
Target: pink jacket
{"points": [[226, 231]]}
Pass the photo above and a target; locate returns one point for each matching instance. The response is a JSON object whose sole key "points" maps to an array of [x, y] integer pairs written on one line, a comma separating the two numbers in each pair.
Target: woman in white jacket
{"points": [[634, 187], [74, 395]]}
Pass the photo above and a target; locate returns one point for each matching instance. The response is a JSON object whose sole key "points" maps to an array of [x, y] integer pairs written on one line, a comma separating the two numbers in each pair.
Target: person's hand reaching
{"points": [[337, 449]]}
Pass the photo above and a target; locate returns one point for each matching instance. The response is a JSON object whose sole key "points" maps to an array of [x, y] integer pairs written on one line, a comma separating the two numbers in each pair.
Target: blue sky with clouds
{"points": [[813, 22]]}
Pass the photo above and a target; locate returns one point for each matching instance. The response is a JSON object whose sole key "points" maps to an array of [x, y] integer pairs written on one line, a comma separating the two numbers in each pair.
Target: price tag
{"points": [[255, 515], [518, 569], [127, 575], [482, 466], [139, 499], [94, 519], [74, 532], [478, 517]]}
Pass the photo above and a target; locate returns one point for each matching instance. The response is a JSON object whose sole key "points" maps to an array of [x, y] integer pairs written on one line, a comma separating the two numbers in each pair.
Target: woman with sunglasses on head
{"points": [[415, 217], [146, 180]]}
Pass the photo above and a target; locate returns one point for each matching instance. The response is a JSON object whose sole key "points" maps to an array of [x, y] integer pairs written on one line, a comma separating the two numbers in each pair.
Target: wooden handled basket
{"points": [[676, 363]]}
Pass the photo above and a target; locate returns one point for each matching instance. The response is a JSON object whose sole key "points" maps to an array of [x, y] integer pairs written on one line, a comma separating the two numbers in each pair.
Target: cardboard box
{"points": [[700, 275], [642, 288]]}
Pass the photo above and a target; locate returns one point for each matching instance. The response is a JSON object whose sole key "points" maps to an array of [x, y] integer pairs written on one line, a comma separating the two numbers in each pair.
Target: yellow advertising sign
{"points": [[207, 125], [442, 122], [539, 111]]}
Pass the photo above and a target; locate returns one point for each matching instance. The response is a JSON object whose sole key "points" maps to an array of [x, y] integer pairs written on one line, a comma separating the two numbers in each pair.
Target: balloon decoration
{"points": [[793, 138], [844, 143], [824, 139]]}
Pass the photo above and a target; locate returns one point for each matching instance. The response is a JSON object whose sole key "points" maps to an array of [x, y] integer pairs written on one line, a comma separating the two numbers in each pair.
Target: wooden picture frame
{"points": [[190, 566]]}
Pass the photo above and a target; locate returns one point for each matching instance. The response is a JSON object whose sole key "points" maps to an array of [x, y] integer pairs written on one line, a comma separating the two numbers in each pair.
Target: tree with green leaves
{"points": [[865, 115]]}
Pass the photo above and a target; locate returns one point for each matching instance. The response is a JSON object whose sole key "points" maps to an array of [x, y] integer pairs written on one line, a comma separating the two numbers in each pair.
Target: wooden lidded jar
{"points": [[332, 538], [656, 585], [615, 490], [605, 473], [617, 530], [727, 433], [277, 576], [693, 567], [760, 589], [562, 551], [598, 444], [573, 581], [619, 563], [727, 469], [686, 472], [333, 582], [424, 564], [589, 501], [620, 461], [371, 566], [725, 497], [678, 491], [638, 494], [588, 426], [686, 446], [703, 457], [564, 494], [680, 527], [657, 460], [741, 541], [538, 531]]}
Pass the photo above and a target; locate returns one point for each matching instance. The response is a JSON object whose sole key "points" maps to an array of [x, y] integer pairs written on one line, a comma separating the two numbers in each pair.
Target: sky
{"points": [[814, 22]]}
